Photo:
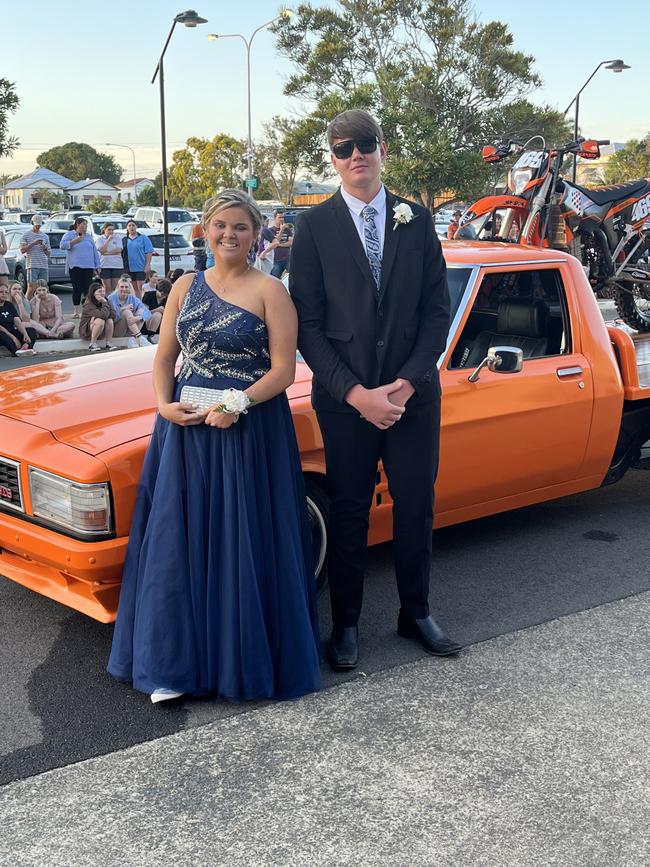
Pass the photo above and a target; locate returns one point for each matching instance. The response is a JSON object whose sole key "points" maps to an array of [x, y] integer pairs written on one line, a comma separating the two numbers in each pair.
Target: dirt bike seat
{"points": [[613, 193]]}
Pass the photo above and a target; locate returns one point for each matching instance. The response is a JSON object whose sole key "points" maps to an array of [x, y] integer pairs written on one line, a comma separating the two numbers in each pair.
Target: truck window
{"points": [[527, 309]]}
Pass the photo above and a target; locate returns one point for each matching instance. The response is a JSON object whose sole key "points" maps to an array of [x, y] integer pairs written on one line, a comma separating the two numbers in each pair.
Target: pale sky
{"points": [[90, 81]]}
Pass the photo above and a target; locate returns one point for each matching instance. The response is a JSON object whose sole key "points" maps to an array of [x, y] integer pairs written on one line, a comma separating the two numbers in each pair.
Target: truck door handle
{"points": [[568, 371]]}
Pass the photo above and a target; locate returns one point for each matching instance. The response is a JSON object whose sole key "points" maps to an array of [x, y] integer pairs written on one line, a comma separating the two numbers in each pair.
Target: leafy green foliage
{"points": [[49, 199], [9, 103], [630, 163], [150, 196], [99, 205], [440, 82], [78, 161], [203, 167]]}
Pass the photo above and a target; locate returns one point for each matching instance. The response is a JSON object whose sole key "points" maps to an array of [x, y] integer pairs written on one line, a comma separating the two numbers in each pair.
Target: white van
{"points": [[153, 217]]}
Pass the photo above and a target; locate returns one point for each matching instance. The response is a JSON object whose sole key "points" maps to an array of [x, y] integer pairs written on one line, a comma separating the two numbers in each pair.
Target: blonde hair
{"points": [[232, 199], [42, 284]]}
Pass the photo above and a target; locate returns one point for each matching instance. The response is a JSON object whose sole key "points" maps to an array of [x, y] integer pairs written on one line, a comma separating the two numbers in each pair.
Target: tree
{"points": [[49, 199], [281, 155], [97, 205], [630, 163], [78, 161], [9, 103], [440, 82], [149, 196], [120, 206], [203, 167]]}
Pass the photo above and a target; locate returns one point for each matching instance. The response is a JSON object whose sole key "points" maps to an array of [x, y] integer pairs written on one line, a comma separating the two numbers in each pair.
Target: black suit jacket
{"points": [[349, 332]]}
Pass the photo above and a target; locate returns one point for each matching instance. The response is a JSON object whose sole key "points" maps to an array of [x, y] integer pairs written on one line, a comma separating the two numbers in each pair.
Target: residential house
{"points": [[83, 192], [130, 190], [23, 193]]}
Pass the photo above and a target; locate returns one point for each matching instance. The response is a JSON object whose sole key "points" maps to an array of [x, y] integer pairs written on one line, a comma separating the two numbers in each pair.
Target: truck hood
{"points": [[95, 404]]}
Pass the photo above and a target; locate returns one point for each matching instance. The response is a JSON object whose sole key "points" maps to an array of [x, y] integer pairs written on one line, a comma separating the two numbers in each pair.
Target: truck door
{"points": [[510, 434]]}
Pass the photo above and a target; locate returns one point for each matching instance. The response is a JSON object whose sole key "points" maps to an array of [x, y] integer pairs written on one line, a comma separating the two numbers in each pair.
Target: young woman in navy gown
{"points": [[218, 593]]}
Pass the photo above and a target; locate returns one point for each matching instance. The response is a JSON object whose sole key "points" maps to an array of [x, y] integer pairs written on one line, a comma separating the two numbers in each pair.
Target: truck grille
{"points": [[11, 495]]}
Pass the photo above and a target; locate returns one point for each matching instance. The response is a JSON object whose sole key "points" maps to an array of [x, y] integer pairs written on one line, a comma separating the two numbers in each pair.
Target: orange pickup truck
{"points": [[540, 399]]}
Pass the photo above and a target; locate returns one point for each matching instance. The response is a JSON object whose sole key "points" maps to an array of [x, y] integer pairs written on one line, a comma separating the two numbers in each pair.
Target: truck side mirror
{"points": [[500, 359]]}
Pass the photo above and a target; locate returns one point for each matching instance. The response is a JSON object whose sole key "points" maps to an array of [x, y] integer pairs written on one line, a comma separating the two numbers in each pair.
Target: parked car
{"points": [[540, 400], [16, 260], [186, 231], [181, 253], [22, 216], [153, 217]]}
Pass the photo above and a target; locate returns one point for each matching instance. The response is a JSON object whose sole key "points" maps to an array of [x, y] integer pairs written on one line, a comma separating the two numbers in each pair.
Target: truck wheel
{"points": [[633, 308], [318, 511], [21, 277]]}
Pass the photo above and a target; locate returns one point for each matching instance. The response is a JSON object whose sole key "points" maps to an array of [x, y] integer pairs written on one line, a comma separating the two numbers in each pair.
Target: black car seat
{"points": [[521, 322]]}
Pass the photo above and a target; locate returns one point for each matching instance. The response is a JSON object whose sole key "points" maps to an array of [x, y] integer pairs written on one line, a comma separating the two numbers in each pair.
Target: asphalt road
{"points": [[490, 578]]}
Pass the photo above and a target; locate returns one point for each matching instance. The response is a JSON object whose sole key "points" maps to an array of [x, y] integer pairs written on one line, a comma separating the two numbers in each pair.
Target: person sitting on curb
{"points": [[155, 300], [47, 313], [130, 313], [14, 336], [97, 318], [24, 308], [150, 283]]}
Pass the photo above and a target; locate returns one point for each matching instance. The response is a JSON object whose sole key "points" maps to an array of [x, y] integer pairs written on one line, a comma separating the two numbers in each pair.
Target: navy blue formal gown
{"points": [[218, 593]]}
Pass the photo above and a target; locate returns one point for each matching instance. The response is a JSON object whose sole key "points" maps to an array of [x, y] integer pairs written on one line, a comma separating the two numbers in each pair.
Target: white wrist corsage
{"points": [[234, 401], [402, 214]]}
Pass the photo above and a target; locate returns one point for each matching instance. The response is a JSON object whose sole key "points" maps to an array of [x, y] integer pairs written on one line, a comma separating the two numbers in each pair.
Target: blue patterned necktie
{"points": [[373, 248]]}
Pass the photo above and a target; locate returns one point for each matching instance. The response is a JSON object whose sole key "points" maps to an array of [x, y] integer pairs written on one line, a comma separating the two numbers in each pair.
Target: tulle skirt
{"points": [[218, 593]]}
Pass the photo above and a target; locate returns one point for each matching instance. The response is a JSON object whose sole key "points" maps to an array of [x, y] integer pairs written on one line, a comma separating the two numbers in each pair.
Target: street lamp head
{"points": [[617, 66], [286, 14], [213, 36], [189, 18]]}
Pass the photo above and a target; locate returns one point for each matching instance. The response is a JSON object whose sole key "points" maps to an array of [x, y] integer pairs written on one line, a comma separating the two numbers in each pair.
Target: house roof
{"points": [[124, 184], [38, 175], [89, 182]]}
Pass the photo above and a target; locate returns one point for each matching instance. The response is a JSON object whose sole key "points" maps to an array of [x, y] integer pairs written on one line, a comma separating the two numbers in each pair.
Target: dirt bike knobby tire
{"points": [[628, 311]]}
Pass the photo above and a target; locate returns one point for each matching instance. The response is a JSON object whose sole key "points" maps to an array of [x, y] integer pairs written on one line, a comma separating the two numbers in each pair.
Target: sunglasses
{"points": [[344, 149]]}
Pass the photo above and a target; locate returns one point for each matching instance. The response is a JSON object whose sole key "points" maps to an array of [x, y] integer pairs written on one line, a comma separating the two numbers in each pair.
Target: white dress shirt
{"points": [[355, 206]]}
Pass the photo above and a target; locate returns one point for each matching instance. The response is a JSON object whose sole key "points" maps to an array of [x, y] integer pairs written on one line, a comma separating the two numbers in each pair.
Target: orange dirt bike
{"points": [[606, 227]]}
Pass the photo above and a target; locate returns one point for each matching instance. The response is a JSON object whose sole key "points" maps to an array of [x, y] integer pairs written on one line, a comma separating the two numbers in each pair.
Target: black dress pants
{"points": [[409, 452], [81, 278]]}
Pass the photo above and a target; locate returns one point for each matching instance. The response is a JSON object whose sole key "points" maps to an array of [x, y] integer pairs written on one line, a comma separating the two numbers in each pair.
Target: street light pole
{"points": [[615, 66], [189, 18], [135, 177], [283, 16]]}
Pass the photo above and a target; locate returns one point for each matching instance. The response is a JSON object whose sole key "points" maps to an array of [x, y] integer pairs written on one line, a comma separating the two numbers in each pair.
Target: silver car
{"points": [[16, 260]]}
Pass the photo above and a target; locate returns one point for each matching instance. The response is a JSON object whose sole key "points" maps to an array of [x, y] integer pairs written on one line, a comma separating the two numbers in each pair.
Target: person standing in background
{"points": [[35, 246], [137, 251], [452, 228], [4, 270], [83, 261], [197, 240], [280, 246], [109, 246]]}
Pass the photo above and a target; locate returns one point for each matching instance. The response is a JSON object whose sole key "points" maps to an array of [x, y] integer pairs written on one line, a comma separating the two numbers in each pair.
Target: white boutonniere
{"points": [[402, 214]]}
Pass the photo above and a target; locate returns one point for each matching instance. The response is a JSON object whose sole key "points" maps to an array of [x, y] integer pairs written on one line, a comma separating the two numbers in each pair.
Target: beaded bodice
{"points": [[219, 339]]}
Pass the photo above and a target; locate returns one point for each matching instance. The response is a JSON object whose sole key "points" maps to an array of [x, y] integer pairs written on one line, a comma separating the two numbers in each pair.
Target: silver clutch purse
{"points": [[201, 398]]}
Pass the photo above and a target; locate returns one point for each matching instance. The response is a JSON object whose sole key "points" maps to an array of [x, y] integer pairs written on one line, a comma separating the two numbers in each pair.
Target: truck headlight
{"points": [[76, 507]]}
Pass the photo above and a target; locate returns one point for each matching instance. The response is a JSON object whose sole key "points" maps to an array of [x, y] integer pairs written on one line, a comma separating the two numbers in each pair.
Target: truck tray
{"points": [[633, 353]]}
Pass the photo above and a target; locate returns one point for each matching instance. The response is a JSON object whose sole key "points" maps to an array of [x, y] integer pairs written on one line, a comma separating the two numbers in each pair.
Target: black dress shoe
{"points": [[428, 633], [343, 648]]}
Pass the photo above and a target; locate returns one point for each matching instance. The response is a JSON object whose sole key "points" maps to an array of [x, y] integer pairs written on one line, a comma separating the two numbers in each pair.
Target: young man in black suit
{"points": [[369, 283]]}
